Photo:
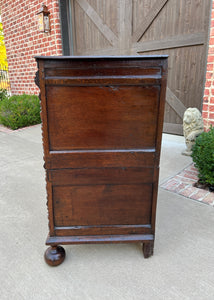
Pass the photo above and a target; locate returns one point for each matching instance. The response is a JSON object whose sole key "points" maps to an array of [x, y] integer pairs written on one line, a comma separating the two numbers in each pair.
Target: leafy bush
{"points": [[20, 111], [3, 94], [203, 156]]}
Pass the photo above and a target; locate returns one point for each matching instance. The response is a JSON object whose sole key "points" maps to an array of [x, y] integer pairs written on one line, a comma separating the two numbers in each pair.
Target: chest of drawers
{"points": [[102, 120]]}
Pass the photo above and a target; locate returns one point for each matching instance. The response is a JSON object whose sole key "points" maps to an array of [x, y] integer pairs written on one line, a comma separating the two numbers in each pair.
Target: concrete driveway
{"points": [[182, 266]]}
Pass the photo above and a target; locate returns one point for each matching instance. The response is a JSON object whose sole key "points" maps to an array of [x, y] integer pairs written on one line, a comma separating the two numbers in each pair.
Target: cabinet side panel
{"points": [[102, 204], [102, 117]]}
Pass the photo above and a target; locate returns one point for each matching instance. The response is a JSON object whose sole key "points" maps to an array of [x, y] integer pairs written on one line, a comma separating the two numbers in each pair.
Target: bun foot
{"points": [[148, 248], [54, 255]]}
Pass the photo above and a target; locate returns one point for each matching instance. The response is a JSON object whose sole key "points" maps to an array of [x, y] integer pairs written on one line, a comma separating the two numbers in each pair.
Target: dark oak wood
{"points": [[148, 248], [54, 255], [102, 120], [102, 204], [104, 229], [97, 239]]}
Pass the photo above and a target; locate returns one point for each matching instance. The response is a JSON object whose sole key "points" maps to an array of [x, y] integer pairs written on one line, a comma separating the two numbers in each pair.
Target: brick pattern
{"points": [[208, 101], [182, 184], [23, 40]]}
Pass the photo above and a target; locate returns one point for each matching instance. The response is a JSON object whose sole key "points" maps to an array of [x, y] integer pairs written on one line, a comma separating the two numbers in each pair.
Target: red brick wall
{"points": [[208, 103], [23, 40]]}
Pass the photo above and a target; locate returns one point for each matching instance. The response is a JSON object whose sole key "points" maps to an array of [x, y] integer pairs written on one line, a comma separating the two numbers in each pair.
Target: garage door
{"points": [[140, 27]]}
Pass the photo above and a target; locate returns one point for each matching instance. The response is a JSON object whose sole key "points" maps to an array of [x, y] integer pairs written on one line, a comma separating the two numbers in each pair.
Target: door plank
{"points": [[125, 26], [173, 128], [144, 25], [175, 103], [95, 18], [176, 41]]}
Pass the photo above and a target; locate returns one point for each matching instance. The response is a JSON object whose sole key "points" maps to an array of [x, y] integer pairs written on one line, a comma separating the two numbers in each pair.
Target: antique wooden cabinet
{"points": [[102, 121]]}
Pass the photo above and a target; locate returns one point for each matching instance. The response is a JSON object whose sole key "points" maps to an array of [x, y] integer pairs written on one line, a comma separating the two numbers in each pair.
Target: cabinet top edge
{"points": [[139, 57]]}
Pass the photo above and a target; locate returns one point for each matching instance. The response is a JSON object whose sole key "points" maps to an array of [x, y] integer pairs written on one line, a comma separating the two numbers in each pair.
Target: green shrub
{"points": [[203, 156], [20, 111], [3, 94]]}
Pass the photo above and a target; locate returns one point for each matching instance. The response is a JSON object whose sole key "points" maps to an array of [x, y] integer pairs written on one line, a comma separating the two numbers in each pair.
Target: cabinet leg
{"points": [[54, 255], [148, 249]]}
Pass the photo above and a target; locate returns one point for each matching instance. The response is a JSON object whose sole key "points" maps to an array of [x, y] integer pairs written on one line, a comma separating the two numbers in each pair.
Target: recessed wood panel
{"points": [[104, 159], [101, 176], [103, 229], [102, 117], [102, 70], [102, 205]]}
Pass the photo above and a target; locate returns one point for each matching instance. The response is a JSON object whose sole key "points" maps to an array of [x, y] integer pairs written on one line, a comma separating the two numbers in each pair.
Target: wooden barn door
{"points": [[138, 27]]}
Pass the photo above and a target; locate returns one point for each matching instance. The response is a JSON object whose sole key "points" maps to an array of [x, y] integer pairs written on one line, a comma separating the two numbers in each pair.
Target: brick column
{"points": [[208, 103]]}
